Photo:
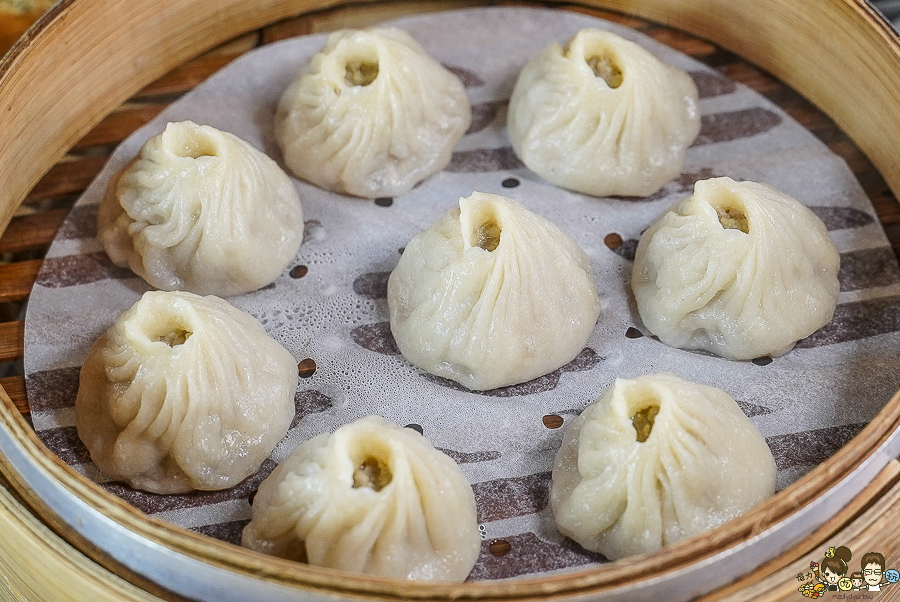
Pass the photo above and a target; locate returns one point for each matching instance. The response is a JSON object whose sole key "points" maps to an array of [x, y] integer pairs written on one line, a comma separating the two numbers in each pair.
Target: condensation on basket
{"points": [[329, 307]]}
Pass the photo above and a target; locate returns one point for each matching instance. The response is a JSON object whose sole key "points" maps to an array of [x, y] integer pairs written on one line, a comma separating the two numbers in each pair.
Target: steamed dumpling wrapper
{"points": [[371, 114], [655, 460], [203, 211], [184, 392], [372, 498], [492, 295], [739, 269], [603, 116]]}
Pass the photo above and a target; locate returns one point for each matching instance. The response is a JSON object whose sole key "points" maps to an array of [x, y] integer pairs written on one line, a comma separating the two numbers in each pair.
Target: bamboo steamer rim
{"points": [[47, 87]]}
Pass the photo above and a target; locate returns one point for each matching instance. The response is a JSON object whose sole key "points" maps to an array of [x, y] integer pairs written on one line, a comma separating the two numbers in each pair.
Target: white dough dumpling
{"points": [[739, 269], [492, 295], [203, 211], [372, 498], [371, 115], [655, 460], [184, 392], [603, 116]]}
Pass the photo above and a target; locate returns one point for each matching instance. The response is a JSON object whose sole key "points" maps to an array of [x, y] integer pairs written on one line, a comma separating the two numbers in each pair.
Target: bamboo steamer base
{"points": [[36, 564], [62, 538]]}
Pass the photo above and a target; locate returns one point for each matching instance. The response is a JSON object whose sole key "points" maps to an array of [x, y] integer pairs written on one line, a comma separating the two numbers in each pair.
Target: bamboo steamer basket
{"points": [[63, 538]]}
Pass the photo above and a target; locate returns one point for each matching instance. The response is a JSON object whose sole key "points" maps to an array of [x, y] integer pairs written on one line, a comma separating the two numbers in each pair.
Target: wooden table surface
{"points": [[869, 522]]}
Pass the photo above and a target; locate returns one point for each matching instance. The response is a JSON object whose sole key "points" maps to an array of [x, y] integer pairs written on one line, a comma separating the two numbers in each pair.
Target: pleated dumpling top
{"points": [[492, 295], [371, 115], [603, 116], [201, 210]]}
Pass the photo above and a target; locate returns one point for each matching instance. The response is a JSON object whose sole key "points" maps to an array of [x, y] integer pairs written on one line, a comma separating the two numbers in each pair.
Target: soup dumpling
{"points": [[603, 116], [201, 210], [655, 460], [492, 295], [371, 115], [372, 498], [739, 269], [184, 392]]}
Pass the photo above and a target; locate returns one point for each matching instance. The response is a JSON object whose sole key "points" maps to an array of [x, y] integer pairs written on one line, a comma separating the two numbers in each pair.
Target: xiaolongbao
{"points": [[184, 392], [492, 295], [203, 211], [603, 116], [655, 460], [371, 115], [739, 269], [372, 498]]}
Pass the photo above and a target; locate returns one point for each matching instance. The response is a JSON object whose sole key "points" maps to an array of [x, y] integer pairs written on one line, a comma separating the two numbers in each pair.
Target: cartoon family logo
{"points": [[832, 575]]}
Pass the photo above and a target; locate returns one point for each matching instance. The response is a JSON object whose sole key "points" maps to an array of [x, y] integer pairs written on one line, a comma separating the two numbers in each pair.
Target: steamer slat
{"points": [[15, 388], [886, 206], [351, 16], [12, 338], [689, 45], [16, 279], [117, 126], [751, 76], [601, 13], [67, 178], [31, 232], [187, 76]]}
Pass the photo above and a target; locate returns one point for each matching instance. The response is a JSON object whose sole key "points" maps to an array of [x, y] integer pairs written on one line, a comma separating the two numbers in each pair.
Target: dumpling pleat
{"points": [[420, 525], [478, 316], [571, 128], [739, 295], [189, 413], [224, 222], [702, 463], [377, 138]]}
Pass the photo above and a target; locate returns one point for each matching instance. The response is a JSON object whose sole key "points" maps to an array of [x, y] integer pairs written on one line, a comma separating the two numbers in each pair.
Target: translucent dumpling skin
{"points": [[739, 269], [184, 392], [371, 115], [492, 295], [655, 460], [203, 211], [371, 498], [602, 116]]}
